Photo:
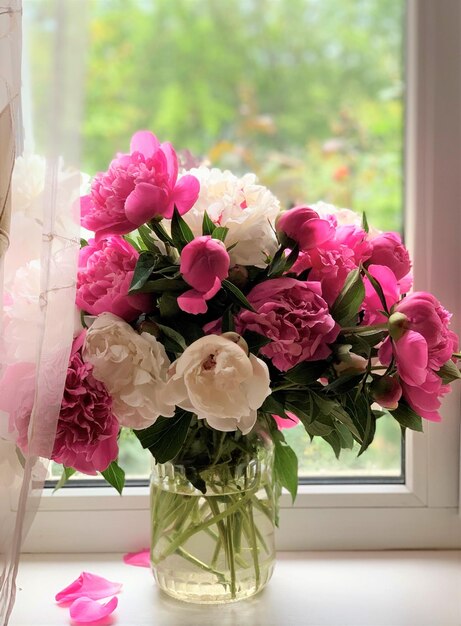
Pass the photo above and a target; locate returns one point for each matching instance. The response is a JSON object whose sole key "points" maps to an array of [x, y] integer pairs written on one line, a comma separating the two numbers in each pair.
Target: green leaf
{"points": [[286, 467], [115, 476], [273, 405], [334, 441], [207, 225], [255, 341], [369, 432], [322, 426], [83, 242], [363, 418], [161, 233], [168, 305], [301, 411], [291, 258], [145, 234], [67, 472], [302, 401], [160, 285], [379, 290], [220, 232], [326, 405], [278, 263], [407, 418], [228, 325], [166, 436], [345, 436], [144, 267], [365, 226], [180, 231], [449, 372], [237, 295], [193, 476], [347, 305], [135, 242], [340, 414], [345, 382], [371, 338], [307, 372], [169, 271], [176, 340]]}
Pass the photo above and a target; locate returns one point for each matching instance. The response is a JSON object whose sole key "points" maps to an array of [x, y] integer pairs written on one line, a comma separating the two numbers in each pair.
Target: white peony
{"points": [[344, 217], [133, 367], [215, 379], [247, 209]]}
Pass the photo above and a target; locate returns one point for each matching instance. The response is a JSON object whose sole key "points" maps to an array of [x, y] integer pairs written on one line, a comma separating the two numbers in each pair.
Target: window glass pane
{"points": [[308, 94]]}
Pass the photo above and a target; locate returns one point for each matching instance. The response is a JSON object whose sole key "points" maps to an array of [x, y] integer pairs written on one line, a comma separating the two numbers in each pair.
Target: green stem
{"points": [[364, 329], [222, 437], [216, 552], [284, 386], [231, 556], [254, 544], [192, 559]]}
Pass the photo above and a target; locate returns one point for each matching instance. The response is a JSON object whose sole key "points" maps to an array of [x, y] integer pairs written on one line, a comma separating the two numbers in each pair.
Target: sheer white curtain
{"points": [[39, 268]]}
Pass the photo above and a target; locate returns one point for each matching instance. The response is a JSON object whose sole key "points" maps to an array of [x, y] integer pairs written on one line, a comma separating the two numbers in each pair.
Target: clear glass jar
{"points": [[215, 547]]}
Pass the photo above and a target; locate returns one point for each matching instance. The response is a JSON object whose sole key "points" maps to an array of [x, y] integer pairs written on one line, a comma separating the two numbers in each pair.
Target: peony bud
{"points": [[397, 325], [149, 327], [204, 264], [237, 339], [303, 225], [386, 391], [238, 275]]}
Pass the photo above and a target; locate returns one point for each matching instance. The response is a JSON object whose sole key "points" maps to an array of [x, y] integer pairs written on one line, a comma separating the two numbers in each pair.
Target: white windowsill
{"points": [[308, 589]]}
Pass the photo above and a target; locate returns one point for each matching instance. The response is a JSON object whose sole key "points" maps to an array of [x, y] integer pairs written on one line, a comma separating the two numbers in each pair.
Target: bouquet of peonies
{"points": [[210, 315]]}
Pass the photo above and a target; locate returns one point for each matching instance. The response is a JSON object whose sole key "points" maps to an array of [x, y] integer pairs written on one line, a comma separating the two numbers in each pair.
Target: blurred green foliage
{"points": [[306, 93]]}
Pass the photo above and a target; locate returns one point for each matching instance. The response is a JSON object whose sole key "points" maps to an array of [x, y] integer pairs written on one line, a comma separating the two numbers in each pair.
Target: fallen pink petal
{"points": [[89, 586], [85, 610], [139, 559]]}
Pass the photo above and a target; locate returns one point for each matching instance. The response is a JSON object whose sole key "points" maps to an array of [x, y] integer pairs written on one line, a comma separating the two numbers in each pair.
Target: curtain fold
{"points": [[40, 201], [10, 80]]}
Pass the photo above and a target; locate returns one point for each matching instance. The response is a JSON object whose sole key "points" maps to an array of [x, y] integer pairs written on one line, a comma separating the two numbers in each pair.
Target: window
{"points": [[422, 512], [314, 108]]}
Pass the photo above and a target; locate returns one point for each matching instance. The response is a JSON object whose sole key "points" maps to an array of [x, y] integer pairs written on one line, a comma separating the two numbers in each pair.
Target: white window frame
{"points": [[423, 512]]}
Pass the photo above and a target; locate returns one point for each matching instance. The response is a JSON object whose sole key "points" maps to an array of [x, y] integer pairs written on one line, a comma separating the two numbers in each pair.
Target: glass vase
{"points": [[215, 547]]}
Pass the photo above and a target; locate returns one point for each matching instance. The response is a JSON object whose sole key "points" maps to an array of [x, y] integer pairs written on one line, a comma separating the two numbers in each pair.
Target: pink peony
{"points": [[387, 249], [356, 239], [427, 317], [86, 434], [304, 226], [331, 262], [204, 264], [105, 272], [294, 316], [138, 187], [329, 265], [426, 343], [372, 304]]}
